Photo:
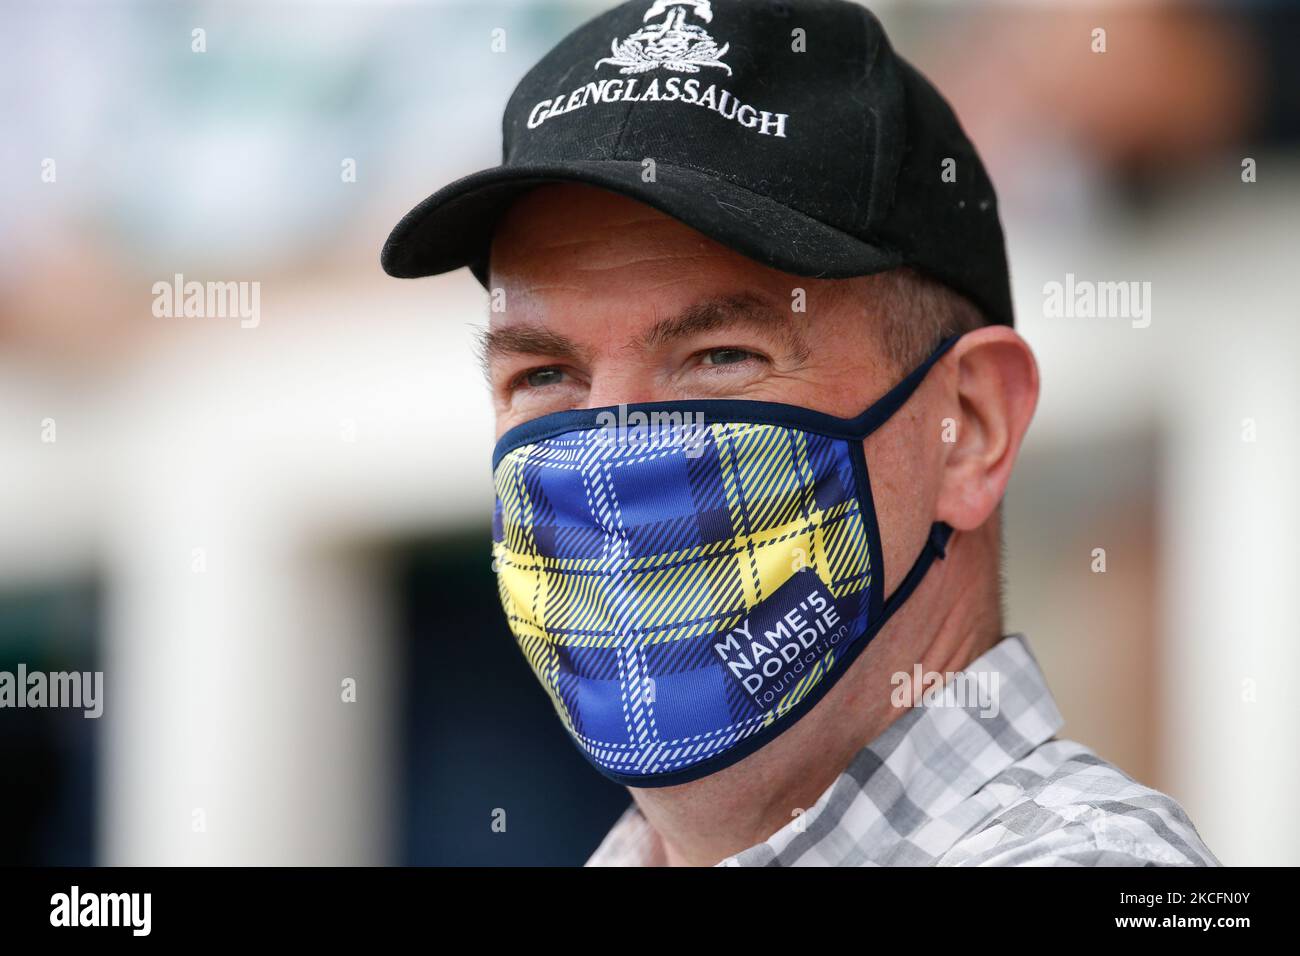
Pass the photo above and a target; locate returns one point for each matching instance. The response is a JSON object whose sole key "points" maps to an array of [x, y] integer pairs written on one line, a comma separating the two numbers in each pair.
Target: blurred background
{"points": [[244, 526]]}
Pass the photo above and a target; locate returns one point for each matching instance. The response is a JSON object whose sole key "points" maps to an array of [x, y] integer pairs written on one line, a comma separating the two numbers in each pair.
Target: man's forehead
{"points": [[581, 262], [573, 235]]}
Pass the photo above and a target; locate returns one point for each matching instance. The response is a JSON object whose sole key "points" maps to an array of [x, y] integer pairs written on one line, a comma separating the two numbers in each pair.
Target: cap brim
{"points": [[454, 226]]}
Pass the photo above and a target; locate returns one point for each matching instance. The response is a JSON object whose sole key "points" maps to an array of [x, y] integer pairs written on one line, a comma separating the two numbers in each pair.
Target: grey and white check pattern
{"points": [[946, 786]]}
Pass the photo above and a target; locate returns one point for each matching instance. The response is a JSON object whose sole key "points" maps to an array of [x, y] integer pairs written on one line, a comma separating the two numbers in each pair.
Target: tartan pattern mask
{"points": [[688, 579]]}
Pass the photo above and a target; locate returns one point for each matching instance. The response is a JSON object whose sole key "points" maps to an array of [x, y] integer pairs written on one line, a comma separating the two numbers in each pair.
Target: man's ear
{"points": [[996, 391]]}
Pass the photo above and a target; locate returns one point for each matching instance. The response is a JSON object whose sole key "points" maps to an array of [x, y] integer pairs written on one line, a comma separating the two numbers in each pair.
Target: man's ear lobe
{"points": [[993, 401]]}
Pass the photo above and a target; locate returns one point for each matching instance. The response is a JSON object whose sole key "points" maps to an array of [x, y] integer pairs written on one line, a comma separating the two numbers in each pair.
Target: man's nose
{"points": [[625, 385]]}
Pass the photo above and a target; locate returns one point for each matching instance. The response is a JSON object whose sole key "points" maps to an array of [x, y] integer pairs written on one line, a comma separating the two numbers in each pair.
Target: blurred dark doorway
{"points": [[480, 733], [48, 755]]}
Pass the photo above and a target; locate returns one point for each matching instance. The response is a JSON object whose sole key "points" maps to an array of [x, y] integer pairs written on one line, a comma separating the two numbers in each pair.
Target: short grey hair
{"points": [[919, 312]]}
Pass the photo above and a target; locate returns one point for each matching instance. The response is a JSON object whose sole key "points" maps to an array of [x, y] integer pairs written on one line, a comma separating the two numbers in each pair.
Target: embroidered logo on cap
{"points": [[673, 44], [678, 47]]}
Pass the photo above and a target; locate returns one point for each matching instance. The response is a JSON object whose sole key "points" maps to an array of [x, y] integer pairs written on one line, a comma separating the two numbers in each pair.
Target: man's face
{"points": [[608, 302]]}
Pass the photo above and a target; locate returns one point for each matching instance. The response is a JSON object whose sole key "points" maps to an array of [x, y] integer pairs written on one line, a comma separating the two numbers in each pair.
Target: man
{"points": [[758, 399]]}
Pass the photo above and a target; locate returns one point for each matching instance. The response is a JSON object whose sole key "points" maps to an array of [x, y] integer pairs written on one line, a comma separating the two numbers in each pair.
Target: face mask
{"points": [[687, 579]]}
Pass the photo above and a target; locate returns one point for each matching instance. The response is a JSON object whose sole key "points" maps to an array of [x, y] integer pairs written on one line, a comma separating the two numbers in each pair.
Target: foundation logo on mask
{"points": [[783, 639], [685, 600]]}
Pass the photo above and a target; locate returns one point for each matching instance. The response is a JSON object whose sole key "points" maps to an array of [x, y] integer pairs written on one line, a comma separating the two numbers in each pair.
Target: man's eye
{"points": [[540, 378], [726, 356]]}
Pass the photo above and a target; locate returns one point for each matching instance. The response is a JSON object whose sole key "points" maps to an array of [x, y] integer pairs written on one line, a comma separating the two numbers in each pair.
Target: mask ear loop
{"points": [[894, 399], [936, 544], [936, 547]]}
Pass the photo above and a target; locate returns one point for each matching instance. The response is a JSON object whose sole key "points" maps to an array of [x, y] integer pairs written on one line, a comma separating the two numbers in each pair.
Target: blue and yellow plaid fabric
{"points": [[622, 564]]}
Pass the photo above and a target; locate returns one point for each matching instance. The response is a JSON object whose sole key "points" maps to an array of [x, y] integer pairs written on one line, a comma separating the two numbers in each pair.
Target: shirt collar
{"points": [[934, 756]]}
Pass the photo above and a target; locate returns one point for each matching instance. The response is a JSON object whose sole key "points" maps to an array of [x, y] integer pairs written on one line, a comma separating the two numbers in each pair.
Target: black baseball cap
{"points": [[790, 132]]}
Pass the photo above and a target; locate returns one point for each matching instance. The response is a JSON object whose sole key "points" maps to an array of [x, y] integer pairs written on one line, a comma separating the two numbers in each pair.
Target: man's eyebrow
{"points": [[526, 340], [722, 312]]}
